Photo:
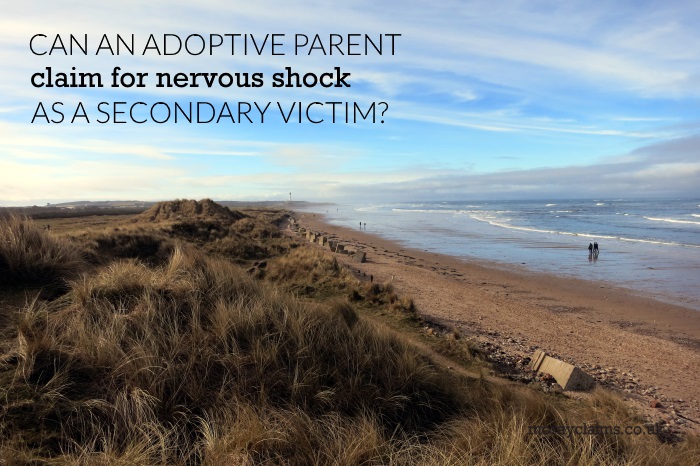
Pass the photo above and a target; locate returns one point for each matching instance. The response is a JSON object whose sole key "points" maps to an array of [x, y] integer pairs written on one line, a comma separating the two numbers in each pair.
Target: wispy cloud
{"points": [[16, 138]]}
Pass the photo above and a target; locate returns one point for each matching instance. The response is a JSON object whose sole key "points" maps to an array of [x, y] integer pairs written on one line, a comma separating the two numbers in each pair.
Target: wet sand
{"points": [[645, 349]]}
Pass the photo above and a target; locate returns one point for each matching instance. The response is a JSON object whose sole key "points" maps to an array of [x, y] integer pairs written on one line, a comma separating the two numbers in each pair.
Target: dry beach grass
{"points": [[224, 342]]}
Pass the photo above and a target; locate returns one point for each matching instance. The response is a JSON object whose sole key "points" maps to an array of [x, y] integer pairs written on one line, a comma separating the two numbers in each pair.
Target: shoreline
{"points": [[476, 233], [644, 348]]}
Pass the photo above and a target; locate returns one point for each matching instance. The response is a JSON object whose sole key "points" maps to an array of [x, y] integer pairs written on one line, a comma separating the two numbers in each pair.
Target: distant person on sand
{"points": [[595, 248], [590, 248]]}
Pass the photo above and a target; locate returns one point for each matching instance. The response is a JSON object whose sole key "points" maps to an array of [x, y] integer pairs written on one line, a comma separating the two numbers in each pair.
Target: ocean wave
{"points": [[550, 205], [600, 203], [672, 220], [585, 235], [371, 208], [430, 211]]}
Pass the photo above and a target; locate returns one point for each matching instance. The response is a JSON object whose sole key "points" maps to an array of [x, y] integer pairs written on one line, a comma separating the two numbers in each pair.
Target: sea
{"points": [[651, 247]]}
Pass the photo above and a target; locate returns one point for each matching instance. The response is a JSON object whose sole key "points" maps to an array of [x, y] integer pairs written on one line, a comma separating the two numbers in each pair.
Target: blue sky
{"points": [[507, 99]]}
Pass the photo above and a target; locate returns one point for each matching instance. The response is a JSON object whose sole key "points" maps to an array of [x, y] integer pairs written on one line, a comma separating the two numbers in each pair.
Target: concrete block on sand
{"points": [[340, 249], [568, 376], [312, 238], [359, 256], [322, 240], [332, 244]]}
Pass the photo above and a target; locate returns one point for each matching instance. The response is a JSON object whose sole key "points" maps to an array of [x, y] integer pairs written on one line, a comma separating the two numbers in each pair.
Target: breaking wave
{"points": [[672, 220], [501, 224]]}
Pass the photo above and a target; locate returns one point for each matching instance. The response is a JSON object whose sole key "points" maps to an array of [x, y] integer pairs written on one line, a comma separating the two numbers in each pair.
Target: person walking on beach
{"points": [[595, 248], [590, 248]]}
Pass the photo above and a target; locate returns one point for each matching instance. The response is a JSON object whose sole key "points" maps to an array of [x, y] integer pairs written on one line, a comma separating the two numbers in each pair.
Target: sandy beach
{"points": [[644, 349]]}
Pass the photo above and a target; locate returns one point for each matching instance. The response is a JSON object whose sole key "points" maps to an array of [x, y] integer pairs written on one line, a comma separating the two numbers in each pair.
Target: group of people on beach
{"points": [[593, 248]]}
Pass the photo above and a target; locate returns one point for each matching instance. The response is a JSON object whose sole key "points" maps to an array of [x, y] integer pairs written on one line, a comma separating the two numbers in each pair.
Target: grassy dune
{"points": [[223, 343], [29, 256]]}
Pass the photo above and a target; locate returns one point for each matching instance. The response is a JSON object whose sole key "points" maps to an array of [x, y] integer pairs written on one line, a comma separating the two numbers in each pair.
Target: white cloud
{"points": [[465, 96], [94, 180], [15, 138]]}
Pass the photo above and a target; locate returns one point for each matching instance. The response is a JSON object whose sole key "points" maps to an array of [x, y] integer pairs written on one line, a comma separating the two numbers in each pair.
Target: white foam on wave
{"points": [[371, 208], [550, 205], [672, 220], [587, 235], [430, 211], [600, 203]]}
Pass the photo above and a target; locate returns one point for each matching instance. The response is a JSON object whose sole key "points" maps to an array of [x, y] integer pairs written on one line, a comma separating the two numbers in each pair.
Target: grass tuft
{"points": [[30, 256]]}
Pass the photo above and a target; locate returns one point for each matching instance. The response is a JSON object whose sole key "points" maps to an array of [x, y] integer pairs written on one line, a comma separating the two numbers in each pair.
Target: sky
{"points": [[479, 100]]}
